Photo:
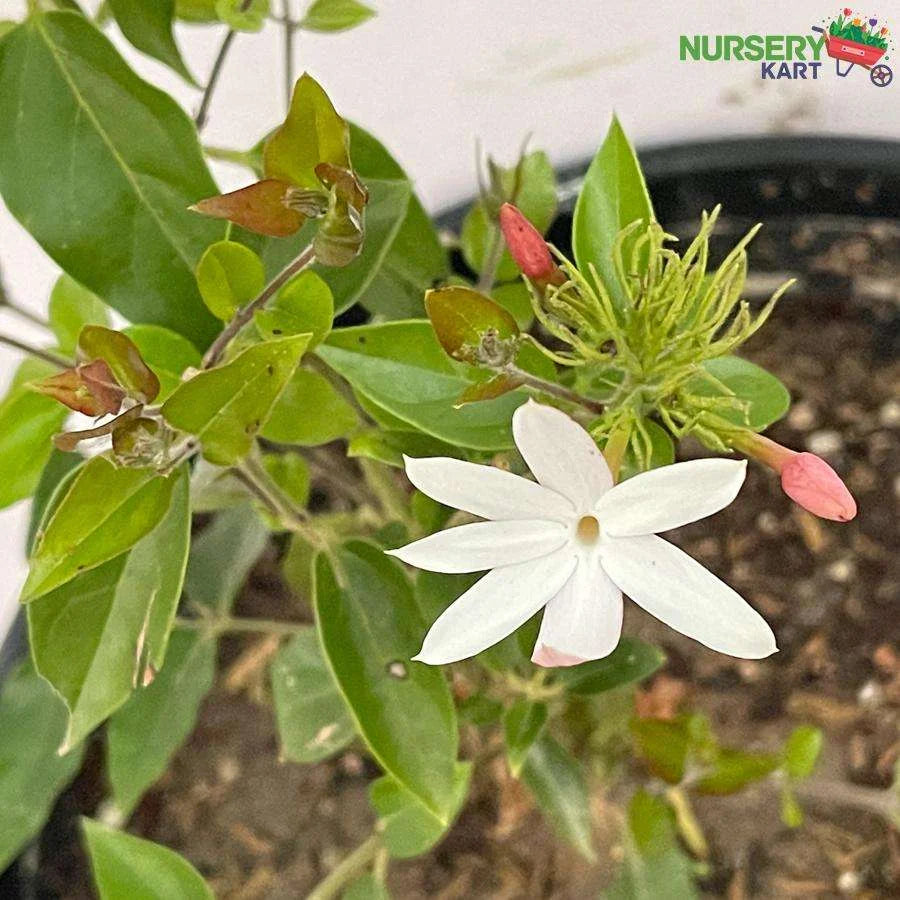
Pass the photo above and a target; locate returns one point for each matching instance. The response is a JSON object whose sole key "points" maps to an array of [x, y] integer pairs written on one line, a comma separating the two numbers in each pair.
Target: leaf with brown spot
{"points": [[488, 390]]}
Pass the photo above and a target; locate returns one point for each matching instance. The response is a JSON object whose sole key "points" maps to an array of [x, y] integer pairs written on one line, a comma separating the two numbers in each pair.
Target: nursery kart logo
{"points": [[850, 39]]}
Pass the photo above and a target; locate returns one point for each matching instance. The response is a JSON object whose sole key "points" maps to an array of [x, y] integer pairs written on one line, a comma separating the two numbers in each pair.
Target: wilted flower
{"points": [[573, 543]]}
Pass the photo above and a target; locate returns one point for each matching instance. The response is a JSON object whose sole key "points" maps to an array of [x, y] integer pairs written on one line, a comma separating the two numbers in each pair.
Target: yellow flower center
{"points": [[588, 529]]}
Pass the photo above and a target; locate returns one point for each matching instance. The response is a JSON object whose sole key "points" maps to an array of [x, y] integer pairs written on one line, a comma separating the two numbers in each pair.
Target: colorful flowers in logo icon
{"points": [[859, 30], [847, 10], [873, 22]]}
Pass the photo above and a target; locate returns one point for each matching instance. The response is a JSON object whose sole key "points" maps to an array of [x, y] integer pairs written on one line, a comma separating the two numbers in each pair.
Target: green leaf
{"points": [[385, 214], [801, 752], [226, 407], [639, 457], [335, 15], [766, 397], [732, 770], [291, 473], [105, 512], [101, 168], [148, 27], [389, 447], [537, 201], [313, 721], [401, 368], [196, 10], [303, 306], [613, 196], [369, 627], [664, 745], [523, 723], [415, 260], [32, 722], [515, 298], [143, 735], [119, 352], [7, 25], [471, 327], [28, 421], [557, 783], [234, 14], [310, 412], [129, 868], [367, 887], [655, 865], [313, 133], [791, 811], [409, 829], [222, 557], [101, 634], [166, 352], [631, 661], [54, 481], [228, 276], [71, 308]]}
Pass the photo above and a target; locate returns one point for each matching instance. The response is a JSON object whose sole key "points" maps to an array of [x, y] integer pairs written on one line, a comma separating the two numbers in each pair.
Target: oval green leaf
{"points": [[370, 627]]}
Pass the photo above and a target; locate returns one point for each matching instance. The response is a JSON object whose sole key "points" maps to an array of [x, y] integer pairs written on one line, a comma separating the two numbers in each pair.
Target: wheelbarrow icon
{"points": [[855, 54]]}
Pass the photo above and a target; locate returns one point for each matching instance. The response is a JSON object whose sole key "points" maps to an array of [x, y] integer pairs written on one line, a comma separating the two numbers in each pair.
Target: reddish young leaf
{"points": [[259, 207], [488, 390], [90, 389], [124, 359]]}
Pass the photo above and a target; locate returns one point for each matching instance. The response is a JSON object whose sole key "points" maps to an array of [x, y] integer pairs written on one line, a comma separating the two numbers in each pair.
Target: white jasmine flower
{"points": [[573, 542]]}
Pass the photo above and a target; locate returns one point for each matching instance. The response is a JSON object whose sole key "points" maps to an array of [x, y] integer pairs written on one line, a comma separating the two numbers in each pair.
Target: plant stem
{"points": [[346, 870], [203, 111], [245, 313], [6, 303], [491, 261], [550, 387], [229, 623], [615, 448], [881, 802], [200, 118], [687, 822], [226, 154], [47, 356], [288, 26]]}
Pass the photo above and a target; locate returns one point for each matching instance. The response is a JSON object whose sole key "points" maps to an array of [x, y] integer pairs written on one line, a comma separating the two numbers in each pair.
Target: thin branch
{"points": [[245, 313], [347, 869], [550, 387], [203, 111], [227, 623], [34, 318], [288, 26], [47, 356]]}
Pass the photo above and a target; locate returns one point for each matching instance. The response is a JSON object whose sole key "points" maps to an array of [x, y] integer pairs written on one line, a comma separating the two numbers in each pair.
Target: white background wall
{"points": [[429, 77]]}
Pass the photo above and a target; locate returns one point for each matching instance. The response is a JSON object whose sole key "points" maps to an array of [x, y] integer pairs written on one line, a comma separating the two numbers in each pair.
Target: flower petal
{"points": [[484, 545], [494, 607], [670, 496], [561, 454], [676, 589], [583, 621], [485, 491]]}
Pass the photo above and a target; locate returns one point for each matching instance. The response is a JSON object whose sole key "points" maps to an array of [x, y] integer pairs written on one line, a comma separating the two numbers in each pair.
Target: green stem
{"points": [[550, 387], [491, 261], [346, 870], [688, 826], [203, 111], [245, 313], [47, 356], [615, 448], [288, 26], [226, 154]]}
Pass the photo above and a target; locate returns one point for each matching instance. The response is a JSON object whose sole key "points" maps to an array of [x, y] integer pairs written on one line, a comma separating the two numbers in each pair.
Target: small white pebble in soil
{"points": [[768, 523], [228, 769], [889, 414], [849, 882], [802, 416], [870, 695], [841, 570], [824, 443], [750, 671]]}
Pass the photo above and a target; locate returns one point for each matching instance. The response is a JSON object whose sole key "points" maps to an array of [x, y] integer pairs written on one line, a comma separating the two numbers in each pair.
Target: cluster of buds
{"points": [[807, 479]]}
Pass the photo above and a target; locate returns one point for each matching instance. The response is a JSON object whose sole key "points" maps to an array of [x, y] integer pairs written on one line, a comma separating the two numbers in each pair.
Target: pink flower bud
{"points": [[811, 482], [528, 247]]}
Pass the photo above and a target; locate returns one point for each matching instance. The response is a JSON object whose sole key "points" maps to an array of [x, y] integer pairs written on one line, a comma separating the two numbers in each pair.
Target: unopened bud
{"points": [[528, 247], [810, 481], [806, 478]]}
